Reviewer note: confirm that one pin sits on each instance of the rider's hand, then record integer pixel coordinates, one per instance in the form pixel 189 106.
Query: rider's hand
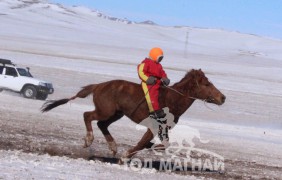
pixel 165 81
pixel 151 80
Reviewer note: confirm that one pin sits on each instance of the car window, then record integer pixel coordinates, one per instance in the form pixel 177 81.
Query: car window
pixel 11 71
pixel 1 69
pixel 23 72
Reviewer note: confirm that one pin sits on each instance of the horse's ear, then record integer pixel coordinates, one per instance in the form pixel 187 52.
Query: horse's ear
pixel 200 70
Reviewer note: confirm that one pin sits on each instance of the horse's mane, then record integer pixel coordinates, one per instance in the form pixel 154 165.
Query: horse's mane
pixel 190 80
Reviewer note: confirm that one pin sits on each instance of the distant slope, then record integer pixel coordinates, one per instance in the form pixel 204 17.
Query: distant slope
pixel 112 32
pixel 236 61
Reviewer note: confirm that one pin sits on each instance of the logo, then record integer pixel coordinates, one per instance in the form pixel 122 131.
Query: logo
pixel 179 144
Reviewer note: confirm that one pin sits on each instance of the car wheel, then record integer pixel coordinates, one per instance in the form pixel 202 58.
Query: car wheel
pixel 29 92
pixel 41 96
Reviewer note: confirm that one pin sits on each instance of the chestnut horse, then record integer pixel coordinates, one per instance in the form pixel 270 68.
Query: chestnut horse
pixel 116 98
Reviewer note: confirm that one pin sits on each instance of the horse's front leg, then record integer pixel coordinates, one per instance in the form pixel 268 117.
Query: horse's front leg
pixel 103 126
pixel 147 137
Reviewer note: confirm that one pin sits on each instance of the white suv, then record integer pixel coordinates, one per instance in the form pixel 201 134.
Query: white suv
pixel 20 80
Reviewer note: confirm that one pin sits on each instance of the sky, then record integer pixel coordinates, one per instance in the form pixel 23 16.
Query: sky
pixel 259 17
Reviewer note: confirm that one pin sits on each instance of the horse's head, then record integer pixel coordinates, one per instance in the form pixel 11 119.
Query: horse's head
pixel 200 87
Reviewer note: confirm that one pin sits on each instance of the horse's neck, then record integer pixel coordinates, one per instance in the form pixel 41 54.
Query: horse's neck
pixel 183 87
pixel 180 103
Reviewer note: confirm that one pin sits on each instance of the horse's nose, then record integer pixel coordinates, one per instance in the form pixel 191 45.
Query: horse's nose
pixel 223 98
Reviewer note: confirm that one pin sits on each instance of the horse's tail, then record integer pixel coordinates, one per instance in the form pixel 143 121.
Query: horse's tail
pixel 84 92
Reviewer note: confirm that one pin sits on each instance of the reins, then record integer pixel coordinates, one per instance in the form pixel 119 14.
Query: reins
pixel 176 91
pixel 180 92
pixel 190 97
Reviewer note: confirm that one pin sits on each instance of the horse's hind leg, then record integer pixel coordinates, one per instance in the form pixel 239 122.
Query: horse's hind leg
pixel 147 137
pixel 103 126
pixel 88 118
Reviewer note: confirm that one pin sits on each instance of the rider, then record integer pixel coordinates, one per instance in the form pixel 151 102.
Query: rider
pixel 151 73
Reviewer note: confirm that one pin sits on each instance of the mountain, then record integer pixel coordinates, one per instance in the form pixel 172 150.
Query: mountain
pixel 148 22
pixel 43 28
pixel 29 4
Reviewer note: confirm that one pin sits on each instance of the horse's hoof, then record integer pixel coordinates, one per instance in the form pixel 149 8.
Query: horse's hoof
pixel 120 162
pixel 114 153
pixel 86 145
pixel 88 141
pixel 123 160
pixel 159 147
pixel 125 154
pixel 113 147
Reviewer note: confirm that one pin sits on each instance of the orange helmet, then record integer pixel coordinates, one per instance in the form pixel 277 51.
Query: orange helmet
pixel 156 54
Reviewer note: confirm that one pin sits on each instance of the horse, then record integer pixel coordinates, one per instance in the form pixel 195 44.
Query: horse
pixel 117 98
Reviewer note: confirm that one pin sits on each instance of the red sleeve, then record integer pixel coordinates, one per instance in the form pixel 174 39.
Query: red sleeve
pixel 142 71
pixel 163 74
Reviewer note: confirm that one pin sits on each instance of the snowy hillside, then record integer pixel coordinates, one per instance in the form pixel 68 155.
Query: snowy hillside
pixel 75 46
pixel 235 62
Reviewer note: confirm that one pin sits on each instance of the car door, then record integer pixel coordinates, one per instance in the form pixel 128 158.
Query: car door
pixel 9 79
pixel 1 76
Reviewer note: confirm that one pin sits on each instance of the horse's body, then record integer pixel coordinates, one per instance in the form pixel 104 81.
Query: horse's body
pixel 114 99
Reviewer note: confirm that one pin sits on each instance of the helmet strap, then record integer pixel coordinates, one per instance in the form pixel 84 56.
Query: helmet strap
pixel 160 58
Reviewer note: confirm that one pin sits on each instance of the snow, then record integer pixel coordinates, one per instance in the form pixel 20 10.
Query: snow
pixel 19 165
pixel 73 46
